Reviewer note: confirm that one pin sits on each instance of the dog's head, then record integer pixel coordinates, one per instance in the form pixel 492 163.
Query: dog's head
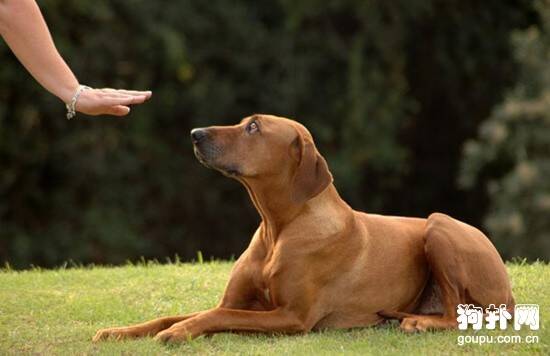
pixel 265 148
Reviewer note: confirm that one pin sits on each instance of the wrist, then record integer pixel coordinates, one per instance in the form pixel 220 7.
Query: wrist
pixel 67 92
pixel 71 105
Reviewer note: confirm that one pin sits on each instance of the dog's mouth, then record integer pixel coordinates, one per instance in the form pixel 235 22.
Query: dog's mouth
pixel 200 157
pixel 228 171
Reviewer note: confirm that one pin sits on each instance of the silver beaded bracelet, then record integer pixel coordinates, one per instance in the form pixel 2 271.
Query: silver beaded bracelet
pixel 71 112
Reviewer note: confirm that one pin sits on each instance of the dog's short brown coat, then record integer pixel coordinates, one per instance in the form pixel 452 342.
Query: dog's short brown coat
pixel 316 263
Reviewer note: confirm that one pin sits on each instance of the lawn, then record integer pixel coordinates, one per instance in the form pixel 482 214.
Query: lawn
pixel 58 311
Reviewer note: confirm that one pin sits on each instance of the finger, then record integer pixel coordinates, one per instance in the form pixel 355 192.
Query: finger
pixel 121 94
pixel 118 110
pixel 146 93
pixel 124 100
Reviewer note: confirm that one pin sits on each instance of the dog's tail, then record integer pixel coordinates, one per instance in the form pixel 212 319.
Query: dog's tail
pixel 393 314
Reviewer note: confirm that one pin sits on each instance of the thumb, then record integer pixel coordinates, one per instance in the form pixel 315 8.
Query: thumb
pixel 118 110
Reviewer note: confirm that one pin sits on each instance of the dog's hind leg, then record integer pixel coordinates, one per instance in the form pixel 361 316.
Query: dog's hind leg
pixel 467 269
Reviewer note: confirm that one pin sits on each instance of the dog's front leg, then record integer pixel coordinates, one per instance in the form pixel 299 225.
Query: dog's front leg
pixel 223 319
pixel 148 328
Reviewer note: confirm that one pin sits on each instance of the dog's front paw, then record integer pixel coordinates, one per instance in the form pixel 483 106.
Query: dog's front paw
pixel 173 335
pixel 112 333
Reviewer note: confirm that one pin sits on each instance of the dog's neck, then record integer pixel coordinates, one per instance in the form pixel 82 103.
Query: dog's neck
pixel 274 204
pixel 277 208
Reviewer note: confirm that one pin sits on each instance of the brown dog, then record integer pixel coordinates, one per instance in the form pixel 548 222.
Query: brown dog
pixel 316 263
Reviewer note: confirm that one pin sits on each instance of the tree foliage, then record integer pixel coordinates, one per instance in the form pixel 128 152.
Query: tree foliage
pixel 512 151
pixel 390 90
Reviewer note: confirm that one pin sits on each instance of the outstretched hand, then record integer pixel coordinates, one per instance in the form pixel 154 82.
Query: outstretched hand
pixel 109 101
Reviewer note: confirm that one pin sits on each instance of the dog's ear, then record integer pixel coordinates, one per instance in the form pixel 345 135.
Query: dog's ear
pixel 312 175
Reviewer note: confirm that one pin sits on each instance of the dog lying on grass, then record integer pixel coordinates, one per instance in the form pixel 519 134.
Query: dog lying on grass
pixel 316 263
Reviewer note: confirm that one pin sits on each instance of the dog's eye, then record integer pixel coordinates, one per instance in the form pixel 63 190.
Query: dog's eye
pixel 252 127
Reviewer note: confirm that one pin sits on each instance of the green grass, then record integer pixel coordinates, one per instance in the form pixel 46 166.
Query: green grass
pixel 58 311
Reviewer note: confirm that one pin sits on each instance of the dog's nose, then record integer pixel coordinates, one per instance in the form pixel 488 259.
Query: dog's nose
pixel 197 135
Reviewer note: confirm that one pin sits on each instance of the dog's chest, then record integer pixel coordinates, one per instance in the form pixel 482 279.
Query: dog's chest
pixel 267 295
pixel 263 292
pixel 264 281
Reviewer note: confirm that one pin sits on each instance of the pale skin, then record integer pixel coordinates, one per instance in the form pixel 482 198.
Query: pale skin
pixel 23 28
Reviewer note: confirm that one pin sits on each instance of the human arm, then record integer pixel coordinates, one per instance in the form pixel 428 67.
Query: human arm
pixel 23 28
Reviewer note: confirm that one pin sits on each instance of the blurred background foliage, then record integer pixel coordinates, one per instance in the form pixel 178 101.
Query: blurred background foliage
pixel 391 90
pixel 512 151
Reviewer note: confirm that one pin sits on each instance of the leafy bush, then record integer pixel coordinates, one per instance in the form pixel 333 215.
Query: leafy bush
pixel 389 89
pixel 513 151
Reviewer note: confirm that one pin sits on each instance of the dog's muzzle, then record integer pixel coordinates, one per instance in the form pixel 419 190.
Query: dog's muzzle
pixel 203 151
pixel 198 135
pixel 208 153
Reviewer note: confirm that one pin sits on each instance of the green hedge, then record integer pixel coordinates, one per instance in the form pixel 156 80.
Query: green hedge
pixel 390 89
pixel 513 150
